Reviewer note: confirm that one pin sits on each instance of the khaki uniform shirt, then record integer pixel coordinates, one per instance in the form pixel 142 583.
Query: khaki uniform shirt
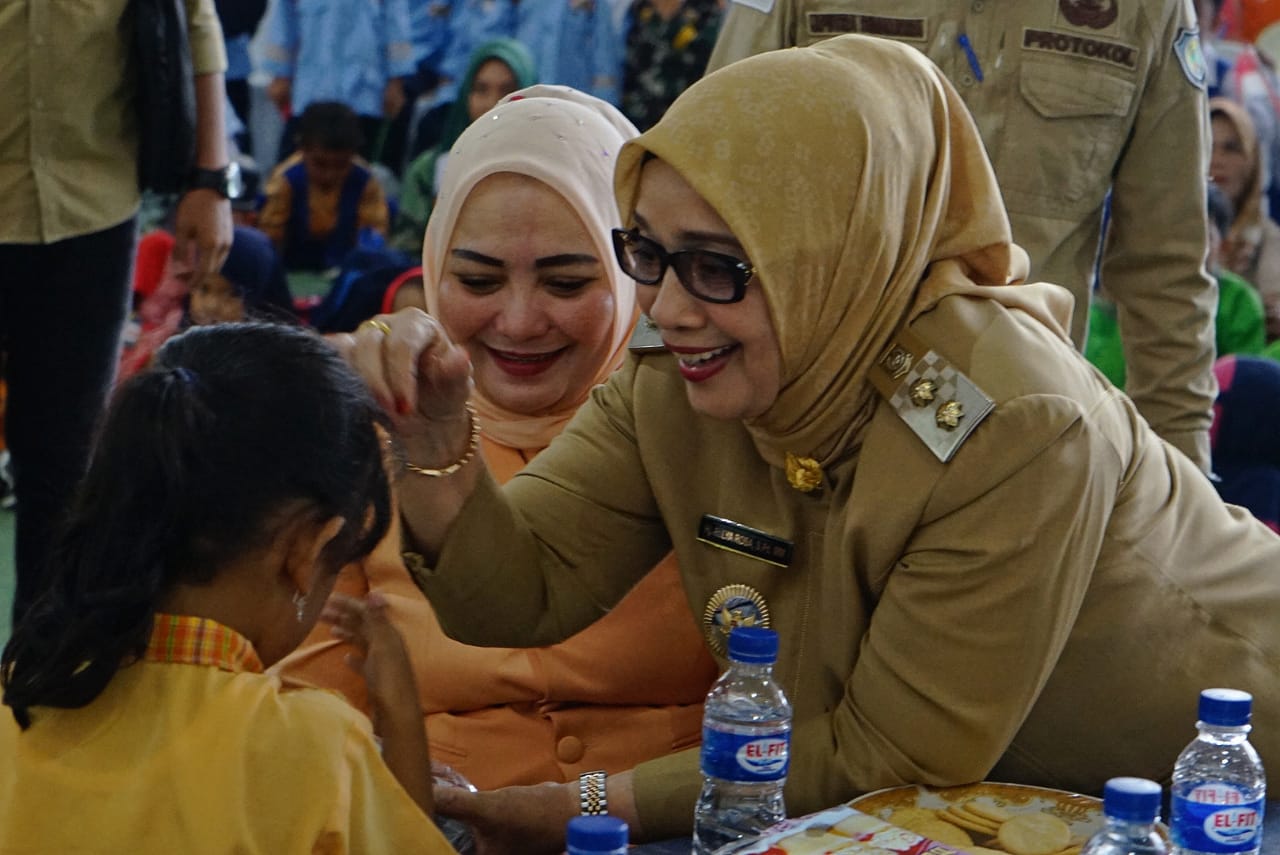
pixel 68 133
pixel 1072 103
pixel 1043 609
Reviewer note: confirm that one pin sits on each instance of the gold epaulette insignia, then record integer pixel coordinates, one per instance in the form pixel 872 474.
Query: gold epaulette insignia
pixel 645 338
pixel 940 404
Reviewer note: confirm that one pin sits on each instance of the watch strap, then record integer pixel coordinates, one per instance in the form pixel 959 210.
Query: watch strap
pixel 592 800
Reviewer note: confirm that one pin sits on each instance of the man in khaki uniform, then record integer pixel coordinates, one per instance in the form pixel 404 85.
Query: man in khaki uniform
pixel 68 199
pixel 1072 98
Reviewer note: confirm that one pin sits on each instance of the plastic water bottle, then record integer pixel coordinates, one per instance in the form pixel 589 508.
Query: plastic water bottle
pixel 596 835
pixel 746 743
pixel 1219 788
pixel 1132 808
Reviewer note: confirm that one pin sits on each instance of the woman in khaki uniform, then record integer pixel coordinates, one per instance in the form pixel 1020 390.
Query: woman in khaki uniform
pixel 981 562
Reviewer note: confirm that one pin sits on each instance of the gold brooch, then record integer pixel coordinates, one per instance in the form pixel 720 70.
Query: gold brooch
pixel 949 415
pixel 803 473
pixel 897 362
pixel 923 391
pixel 732 605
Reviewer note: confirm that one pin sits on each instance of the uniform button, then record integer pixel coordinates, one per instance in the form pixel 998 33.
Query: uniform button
pixel 978 5
pixel 39 103
pixel 966 79
pixel 569 749
pixel 38 39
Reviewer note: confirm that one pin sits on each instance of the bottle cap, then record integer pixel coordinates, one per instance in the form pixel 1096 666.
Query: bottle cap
pixel 1134 799
pixel 753 644
pixel 1225 707
pixel 596 834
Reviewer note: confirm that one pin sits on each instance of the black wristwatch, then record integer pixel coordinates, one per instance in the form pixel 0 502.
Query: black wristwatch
pixel 225 181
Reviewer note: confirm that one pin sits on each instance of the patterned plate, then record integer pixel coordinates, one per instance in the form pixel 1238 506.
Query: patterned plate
pixel 977 812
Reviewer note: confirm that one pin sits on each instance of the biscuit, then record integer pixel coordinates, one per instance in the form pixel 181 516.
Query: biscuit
pixel 968 821
pixel 1034 834
pixel 982 850
pixel 987 809
pixel 902 816
pixel 943 832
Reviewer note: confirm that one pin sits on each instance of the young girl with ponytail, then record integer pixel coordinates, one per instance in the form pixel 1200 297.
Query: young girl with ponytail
pixel 230 482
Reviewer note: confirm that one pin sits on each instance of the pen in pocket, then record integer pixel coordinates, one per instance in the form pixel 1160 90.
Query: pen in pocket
pixel 967 47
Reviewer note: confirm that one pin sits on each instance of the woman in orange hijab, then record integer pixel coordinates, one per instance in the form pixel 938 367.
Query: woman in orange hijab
pixel 517 263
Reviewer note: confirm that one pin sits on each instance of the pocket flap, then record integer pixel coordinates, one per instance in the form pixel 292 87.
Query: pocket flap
pixel 1060 93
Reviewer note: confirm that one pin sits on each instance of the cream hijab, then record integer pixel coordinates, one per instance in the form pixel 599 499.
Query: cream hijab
pixel 855 179
pixel 569 141
pixel 1246 228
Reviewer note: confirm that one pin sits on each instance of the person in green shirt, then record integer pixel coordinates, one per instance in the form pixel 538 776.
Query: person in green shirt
pixel 1240 323
pixel 497 68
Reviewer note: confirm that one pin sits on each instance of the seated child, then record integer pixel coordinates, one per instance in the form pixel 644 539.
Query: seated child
pixel 230 482
pixel 320 200
pixel 251 285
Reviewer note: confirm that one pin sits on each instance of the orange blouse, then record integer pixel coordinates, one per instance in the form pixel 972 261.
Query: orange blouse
pixel 624 690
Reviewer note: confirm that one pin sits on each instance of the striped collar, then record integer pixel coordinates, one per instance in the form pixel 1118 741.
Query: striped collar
pixel 187 640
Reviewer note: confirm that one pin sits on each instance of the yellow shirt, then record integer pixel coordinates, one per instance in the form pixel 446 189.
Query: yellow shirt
pixel 322 205
pixel 68 134
pixel 194 749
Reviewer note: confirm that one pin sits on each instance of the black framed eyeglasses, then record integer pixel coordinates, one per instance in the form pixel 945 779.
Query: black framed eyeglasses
pixel 711 276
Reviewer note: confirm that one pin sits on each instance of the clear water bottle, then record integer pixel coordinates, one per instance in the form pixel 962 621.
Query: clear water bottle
pixel 1132 808
pixel 1219 788
pixel 746 743
pixel 596 835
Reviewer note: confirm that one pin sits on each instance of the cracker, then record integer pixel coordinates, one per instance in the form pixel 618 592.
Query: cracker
pixel 1034 834
pixel 988 809
pixel 944 832
pixel 968 821
pixel 982 850
pixel 904 815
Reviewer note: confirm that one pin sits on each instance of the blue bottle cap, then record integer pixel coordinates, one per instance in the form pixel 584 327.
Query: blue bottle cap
pixel 753 644
pixel 1132 799
pixel 596 834
pixel 1225 707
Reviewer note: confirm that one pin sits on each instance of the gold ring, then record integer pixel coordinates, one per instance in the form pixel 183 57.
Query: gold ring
pixel 374 323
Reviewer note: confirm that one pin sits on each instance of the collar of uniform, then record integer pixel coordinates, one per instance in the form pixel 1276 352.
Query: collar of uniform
pixel 188 640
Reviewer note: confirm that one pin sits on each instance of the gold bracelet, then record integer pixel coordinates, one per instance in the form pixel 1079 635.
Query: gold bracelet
pixel 472 446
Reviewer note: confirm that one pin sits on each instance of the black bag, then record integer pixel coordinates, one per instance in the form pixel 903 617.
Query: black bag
pixel 166 95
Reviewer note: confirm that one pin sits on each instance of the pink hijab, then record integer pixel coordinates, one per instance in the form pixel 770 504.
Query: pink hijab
pixel 569 141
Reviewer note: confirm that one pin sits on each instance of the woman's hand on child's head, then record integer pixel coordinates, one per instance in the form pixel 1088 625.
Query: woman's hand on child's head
pixel 382 658
pixel 412 367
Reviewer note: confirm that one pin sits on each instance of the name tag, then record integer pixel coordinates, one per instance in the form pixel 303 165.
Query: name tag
pixel 1113 53
pixel 745 540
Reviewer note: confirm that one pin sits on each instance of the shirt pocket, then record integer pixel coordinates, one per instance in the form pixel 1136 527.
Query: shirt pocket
pixel 1066 127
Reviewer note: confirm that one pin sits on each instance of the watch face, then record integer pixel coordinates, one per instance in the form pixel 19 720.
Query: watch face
pixel 234 181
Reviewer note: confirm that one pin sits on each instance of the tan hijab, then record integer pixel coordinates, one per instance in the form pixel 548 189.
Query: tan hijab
pixel 1246 229
pixel 856 181
pixel 569 141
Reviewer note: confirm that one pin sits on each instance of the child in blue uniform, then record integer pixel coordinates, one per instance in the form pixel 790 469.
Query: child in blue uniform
pixel 320 200
pixel 357 52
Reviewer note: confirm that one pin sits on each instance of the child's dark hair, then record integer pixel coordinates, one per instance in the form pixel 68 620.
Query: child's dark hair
pixel 234 429
pixel 1221 212
pixel 329 125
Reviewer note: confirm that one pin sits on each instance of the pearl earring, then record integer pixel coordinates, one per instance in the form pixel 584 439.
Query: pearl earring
pixel 300 600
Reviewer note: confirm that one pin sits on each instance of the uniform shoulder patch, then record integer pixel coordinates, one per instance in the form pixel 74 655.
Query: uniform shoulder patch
pixel 1190 54
pixel 940 404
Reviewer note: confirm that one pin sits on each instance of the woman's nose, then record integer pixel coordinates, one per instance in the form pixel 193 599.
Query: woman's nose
pixel 523 318
pixel 674 307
